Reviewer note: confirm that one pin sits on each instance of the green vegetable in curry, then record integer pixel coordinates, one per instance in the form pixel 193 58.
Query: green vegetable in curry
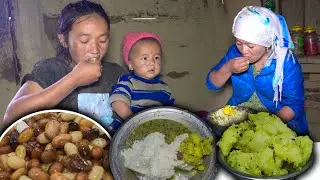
pixel 169 128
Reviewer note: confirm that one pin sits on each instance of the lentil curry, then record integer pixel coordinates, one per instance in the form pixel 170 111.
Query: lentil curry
pixel 169 128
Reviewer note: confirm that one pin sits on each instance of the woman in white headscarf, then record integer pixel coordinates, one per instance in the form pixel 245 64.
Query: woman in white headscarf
pixel 265 75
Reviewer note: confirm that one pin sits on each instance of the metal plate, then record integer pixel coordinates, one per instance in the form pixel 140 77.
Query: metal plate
pixel 189 120
pixel 240 175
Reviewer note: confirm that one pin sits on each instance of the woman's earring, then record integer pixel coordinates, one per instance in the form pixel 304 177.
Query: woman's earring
pixel 267 49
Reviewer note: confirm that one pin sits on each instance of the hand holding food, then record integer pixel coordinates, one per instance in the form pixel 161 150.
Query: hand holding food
pixel 239 64
pixel 86 73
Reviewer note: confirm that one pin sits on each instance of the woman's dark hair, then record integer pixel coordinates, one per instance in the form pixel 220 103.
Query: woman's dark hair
pixel 70 14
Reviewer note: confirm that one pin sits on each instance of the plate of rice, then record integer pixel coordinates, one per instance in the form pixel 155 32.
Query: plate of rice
pixel 163 143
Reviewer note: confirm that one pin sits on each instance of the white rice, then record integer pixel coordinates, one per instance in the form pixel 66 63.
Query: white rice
pixel 153 158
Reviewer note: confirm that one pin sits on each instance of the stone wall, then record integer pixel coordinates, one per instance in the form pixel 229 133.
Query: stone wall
pixel 8 64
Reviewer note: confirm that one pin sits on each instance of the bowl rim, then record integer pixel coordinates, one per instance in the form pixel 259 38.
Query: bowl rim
pixel 237 173
pixel 154 109
pixel 8 128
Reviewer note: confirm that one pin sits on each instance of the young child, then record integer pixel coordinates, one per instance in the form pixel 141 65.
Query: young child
pixel 142 88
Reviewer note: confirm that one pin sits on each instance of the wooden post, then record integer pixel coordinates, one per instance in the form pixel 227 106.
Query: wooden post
pixel 293 11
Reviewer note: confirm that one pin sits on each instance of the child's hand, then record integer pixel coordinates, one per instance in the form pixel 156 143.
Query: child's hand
pixel 239 64
pixel 122 109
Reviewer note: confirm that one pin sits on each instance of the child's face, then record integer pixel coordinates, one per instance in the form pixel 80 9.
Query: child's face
pixel 145 59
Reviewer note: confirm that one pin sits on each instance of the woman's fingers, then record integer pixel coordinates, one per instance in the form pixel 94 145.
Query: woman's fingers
pixel 240 64
pixel 243 66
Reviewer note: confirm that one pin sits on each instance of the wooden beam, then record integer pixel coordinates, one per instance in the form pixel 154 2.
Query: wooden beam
pixel 311 68
pixel 309 60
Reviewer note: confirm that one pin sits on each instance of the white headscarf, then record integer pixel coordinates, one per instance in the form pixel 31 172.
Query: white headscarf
pixel 259 25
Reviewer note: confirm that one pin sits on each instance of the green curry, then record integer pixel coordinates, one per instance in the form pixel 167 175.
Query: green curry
pixel 169 128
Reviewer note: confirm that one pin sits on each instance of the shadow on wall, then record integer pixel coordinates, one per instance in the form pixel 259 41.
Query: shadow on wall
pixel 50 29
pixel 9 66
pixel 177 75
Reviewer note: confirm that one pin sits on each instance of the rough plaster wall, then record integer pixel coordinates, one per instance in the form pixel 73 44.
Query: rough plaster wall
pixel 196 35
pixel 33 44
pixel 7 70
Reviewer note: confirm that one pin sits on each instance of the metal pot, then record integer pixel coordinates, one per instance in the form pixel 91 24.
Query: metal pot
pixel 189 120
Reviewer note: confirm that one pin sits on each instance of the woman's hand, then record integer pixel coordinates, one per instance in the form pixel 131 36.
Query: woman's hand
pixel 85 73
pixel 286 113
pixel 238 65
